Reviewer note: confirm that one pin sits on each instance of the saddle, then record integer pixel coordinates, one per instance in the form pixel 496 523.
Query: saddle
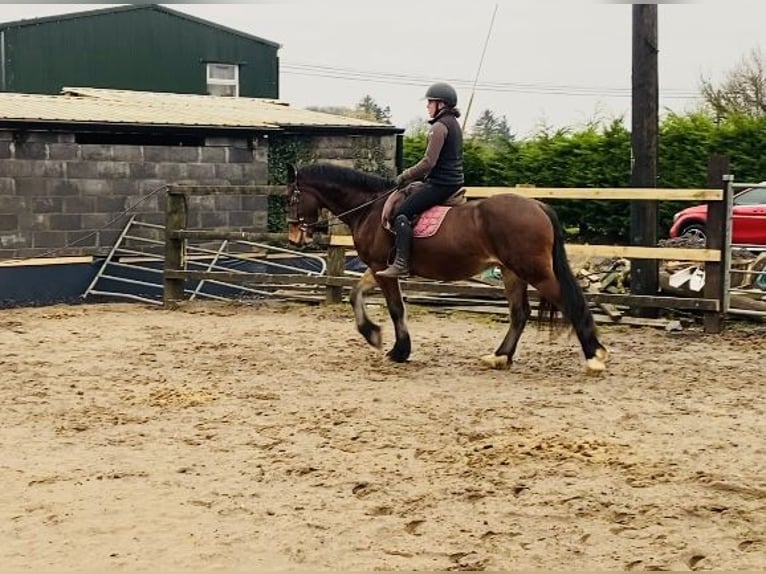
pixel 427 223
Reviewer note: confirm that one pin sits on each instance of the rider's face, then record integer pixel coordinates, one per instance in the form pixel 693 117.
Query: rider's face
pixel 433 107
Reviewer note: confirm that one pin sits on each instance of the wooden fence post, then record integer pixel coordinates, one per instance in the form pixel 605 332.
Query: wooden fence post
pixel 176 216
pixel 644 273
pixel 336 267
pixel 718 237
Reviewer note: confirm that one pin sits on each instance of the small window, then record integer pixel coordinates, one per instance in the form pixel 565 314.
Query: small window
pixel 223 80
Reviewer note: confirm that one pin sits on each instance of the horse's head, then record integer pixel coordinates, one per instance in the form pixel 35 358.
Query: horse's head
pixel 347 193
pixel 302 210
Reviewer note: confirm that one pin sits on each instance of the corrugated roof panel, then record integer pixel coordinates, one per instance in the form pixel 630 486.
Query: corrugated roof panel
pixel 94 105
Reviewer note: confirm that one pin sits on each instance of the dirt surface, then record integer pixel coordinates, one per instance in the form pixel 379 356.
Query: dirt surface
pixel 224 437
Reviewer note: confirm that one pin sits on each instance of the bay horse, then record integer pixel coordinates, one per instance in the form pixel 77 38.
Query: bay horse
pixel 520 235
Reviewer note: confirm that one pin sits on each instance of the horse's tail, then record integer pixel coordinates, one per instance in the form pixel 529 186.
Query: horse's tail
pixel 575 306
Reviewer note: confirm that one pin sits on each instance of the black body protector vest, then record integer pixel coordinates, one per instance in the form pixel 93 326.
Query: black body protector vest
pixel 449 166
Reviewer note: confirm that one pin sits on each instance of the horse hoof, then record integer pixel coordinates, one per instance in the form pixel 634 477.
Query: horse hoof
pixel 496 361
pixel 397 356
pixel 371 333
pixel 602 354
pixel 595 365
pixel 375 339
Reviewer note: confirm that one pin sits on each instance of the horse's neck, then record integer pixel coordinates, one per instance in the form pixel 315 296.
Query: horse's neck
pixel 349 206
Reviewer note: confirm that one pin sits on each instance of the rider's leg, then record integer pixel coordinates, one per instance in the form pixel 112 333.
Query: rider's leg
pixel 401 265
pixel 415 204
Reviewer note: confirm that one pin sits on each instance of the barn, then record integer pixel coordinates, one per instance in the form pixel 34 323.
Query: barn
pixel 136 47
pixel 73 165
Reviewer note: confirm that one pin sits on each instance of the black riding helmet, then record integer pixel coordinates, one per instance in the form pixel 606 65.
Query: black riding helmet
pixel 443 92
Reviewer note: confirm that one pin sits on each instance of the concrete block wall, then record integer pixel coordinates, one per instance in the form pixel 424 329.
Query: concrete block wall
pixel 366 152
pixel 60 198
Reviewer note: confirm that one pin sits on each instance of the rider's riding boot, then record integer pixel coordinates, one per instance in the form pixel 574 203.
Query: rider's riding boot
pixel 401 264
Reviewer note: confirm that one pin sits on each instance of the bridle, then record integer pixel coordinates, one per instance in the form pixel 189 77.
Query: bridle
pixel 294 215
pixel 293 210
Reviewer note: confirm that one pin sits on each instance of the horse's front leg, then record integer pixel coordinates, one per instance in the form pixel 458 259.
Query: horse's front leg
pixel 393 294
pixel 369 330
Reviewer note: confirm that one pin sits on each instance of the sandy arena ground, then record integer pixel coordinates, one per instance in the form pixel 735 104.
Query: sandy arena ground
pixel 224 437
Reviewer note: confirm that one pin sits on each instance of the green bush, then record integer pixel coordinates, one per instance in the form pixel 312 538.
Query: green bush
pixel 283 151
pixel 600 156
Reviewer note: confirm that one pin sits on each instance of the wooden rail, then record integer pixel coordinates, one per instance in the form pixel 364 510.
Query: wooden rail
pixel 184 189
pixel 606 193
pixel 626 251
pixel 713 302
pixel 338 282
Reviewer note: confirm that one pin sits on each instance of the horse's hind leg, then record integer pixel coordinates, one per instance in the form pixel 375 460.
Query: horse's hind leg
pixel 369 330
pixel 518 303
pixel 580 317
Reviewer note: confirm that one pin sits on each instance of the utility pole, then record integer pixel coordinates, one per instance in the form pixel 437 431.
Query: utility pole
pixel 644 274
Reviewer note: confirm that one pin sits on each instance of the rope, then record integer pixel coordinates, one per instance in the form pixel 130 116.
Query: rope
pixel 102 228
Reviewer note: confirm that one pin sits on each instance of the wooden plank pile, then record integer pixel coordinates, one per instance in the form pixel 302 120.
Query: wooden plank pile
pixel 603 275
pixel 612 275
pixel 747 294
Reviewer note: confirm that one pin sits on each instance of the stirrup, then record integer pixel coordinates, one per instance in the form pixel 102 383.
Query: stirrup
pixel 395 270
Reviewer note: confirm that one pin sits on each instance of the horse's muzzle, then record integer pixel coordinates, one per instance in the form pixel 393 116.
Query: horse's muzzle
pixel 299 235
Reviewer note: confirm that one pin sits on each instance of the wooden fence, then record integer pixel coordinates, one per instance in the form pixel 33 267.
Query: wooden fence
pixel 713 302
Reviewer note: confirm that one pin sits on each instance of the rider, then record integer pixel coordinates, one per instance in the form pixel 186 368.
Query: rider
pixel 441 170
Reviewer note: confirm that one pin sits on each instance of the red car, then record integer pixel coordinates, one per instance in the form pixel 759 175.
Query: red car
pixel 748 218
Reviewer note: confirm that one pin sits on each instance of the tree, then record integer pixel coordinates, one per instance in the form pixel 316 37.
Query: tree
pixel 489 128
pixel 373 111
pixel 366 109
pixel 743 90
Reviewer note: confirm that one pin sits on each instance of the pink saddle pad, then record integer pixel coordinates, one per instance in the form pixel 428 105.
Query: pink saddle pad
pixel 429 221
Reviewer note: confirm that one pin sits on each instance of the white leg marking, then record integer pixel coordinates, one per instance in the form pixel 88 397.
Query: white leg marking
pixel 496 361
pixel 595 366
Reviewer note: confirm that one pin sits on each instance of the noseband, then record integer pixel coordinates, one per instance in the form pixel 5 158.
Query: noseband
pixel 294 212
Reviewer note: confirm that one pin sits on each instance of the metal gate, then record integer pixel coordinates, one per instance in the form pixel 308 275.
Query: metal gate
pixel 134 267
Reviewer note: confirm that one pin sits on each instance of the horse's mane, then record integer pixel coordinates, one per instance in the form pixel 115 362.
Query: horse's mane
pixel 345 176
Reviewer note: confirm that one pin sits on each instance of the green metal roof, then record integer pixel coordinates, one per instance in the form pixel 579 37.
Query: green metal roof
pixel 132 7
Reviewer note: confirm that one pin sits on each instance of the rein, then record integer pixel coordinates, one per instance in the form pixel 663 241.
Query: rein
pixel 295 198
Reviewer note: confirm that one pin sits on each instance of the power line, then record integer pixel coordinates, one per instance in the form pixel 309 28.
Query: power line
pixel 539 88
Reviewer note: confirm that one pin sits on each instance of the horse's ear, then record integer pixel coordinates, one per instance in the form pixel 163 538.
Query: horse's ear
pixel 290 173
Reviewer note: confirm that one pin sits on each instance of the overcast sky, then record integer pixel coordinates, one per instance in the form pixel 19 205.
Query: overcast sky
pixel 561 63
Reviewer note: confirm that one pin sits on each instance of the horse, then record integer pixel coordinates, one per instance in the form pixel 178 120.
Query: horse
pixel 521 236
